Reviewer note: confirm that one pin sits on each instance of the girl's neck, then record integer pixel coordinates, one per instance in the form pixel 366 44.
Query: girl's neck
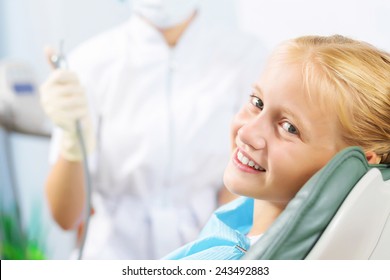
pixel 265 213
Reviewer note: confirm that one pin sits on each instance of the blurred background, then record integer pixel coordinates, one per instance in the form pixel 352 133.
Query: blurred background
pixel 26 26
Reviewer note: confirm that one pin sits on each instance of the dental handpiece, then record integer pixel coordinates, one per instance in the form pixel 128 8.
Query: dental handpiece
pixel 59 62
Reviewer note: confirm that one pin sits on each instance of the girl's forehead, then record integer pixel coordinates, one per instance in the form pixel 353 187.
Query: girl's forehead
pixel 280 72
pixel 298 81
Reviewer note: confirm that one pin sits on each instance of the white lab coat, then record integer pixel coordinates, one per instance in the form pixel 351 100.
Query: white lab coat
pixel 163 117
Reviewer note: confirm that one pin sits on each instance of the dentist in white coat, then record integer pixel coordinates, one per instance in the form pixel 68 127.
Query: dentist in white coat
pixel 155 97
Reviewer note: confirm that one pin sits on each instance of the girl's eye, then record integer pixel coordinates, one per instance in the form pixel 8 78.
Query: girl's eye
pixel 289 128
pixel 257 102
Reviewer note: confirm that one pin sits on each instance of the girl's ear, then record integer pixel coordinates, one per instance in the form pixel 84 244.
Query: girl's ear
pixel 372 157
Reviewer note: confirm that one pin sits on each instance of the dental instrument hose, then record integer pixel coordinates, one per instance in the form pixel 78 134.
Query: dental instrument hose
pixel 59 61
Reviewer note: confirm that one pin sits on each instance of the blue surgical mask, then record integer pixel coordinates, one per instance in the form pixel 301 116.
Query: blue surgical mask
pixel 165 13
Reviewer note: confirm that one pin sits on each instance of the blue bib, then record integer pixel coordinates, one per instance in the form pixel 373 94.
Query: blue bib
pixel 223 237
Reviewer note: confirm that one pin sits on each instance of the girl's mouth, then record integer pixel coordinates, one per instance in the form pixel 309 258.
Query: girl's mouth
pixel 247 162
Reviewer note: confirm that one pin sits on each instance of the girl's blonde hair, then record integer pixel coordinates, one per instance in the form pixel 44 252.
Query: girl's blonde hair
pixel 353 78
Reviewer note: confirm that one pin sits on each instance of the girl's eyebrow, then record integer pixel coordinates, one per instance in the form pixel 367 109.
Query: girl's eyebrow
pixel 294 117
pixel 257 88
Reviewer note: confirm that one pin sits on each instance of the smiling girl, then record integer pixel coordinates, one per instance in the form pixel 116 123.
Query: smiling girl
pixel 316 96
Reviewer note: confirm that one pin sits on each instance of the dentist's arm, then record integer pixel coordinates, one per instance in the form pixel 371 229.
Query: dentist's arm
pixel 63 99
pixel 65 192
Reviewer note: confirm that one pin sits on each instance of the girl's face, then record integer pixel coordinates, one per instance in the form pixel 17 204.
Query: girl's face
pixel 280 138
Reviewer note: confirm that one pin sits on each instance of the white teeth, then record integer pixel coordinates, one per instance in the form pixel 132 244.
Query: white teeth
pixel 239 155
pixel 244 160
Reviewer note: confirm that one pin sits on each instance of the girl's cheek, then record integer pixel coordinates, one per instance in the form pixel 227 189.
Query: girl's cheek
pixel 237 122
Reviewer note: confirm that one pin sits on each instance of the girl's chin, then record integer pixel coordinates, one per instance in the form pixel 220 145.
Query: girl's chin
pixel 233 185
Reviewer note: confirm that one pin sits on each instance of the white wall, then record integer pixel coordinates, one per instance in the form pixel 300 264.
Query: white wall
pixel 277 20
pixel 26 26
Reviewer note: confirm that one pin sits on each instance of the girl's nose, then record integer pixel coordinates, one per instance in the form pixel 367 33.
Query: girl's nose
pixel 253 132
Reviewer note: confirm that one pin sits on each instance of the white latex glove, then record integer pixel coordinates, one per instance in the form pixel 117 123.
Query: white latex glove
pixel 63 100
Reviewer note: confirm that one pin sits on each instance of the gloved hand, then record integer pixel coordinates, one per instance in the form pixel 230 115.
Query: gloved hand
pixel 63 100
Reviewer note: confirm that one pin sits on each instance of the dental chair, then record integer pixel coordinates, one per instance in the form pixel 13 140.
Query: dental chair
pixel 342 212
